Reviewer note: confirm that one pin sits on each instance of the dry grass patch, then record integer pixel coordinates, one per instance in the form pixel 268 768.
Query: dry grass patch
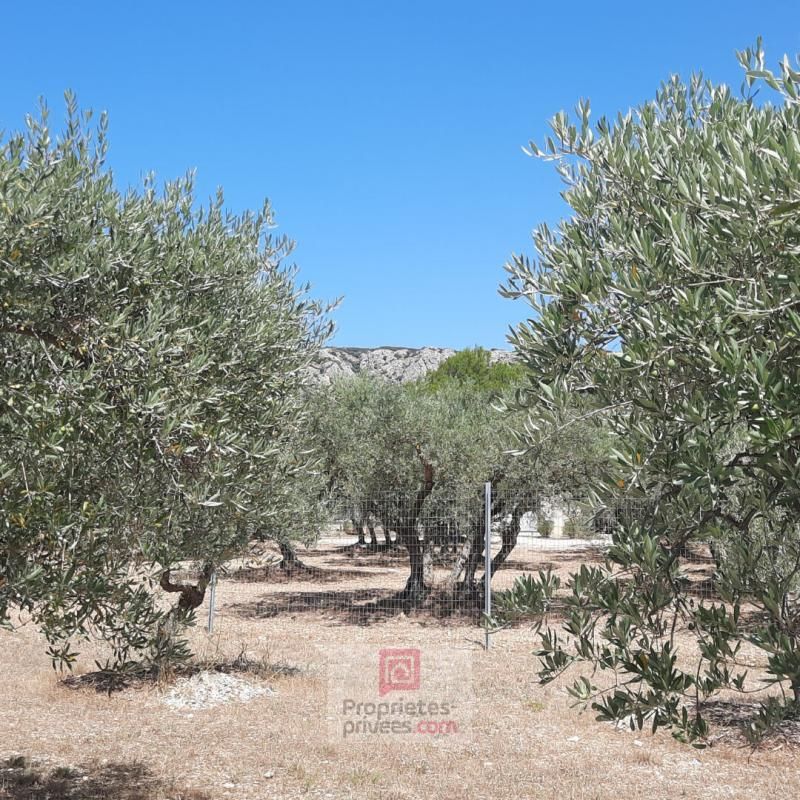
pixel 525 740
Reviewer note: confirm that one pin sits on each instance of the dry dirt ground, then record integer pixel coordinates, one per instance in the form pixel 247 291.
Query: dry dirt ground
pixel 525 741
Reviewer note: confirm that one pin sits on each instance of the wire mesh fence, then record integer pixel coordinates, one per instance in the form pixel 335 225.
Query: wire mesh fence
pixel 425 552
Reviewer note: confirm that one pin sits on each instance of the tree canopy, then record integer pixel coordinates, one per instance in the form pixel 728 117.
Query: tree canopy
pixel 473 368
pixel 151 352
pixel 414 461
pixel 670 297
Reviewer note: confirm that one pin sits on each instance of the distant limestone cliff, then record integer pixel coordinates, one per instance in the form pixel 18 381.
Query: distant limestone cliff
pixel 397 364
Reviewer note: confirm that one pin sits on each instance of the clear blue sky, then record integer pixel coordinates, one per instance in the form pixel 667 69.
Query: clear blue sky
pixel 387 134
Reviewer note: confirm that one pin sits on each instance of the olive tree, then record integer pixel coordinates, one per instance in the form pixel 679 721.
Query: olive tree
pixel 413 459
pixel 670 298
pixel 473 368
pixel 151 353
pixel 393 454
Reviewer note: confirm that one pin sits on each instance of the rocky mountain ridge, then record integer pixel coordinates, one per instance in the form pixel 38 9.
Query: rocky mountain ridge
pixel 396 364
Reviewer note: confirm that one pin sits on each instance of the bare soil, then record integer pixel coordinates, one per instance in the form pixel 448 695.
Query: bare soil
pixel 73 740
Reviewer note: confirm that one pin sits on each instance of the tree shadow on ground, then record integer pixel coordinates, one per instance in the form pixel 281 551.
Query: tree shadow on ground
pixel 106 681
pixel 702 586
pixel 730 721
pixel 304 573
pixel 370 549
pixel 23 779
pixel 361 606
pixel 546 558
pixel 391 558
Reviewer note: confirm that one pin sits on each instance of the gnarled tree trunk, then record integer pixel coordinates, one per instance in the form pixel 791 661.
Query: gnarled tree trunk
pixel 509 536
pixel 373 539
pixel 359 526
pixel 420 578
pixel 191 594
pixel 289 560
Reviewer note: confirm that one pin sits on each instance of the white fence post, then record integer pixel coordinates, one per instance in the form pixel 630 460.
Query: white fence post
pixel 487 570
pixel 212 598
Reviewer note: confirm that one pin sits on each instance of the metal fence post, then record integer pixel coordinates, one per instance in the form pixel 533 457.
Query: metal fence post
pixel 212 598
pixel 487 570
